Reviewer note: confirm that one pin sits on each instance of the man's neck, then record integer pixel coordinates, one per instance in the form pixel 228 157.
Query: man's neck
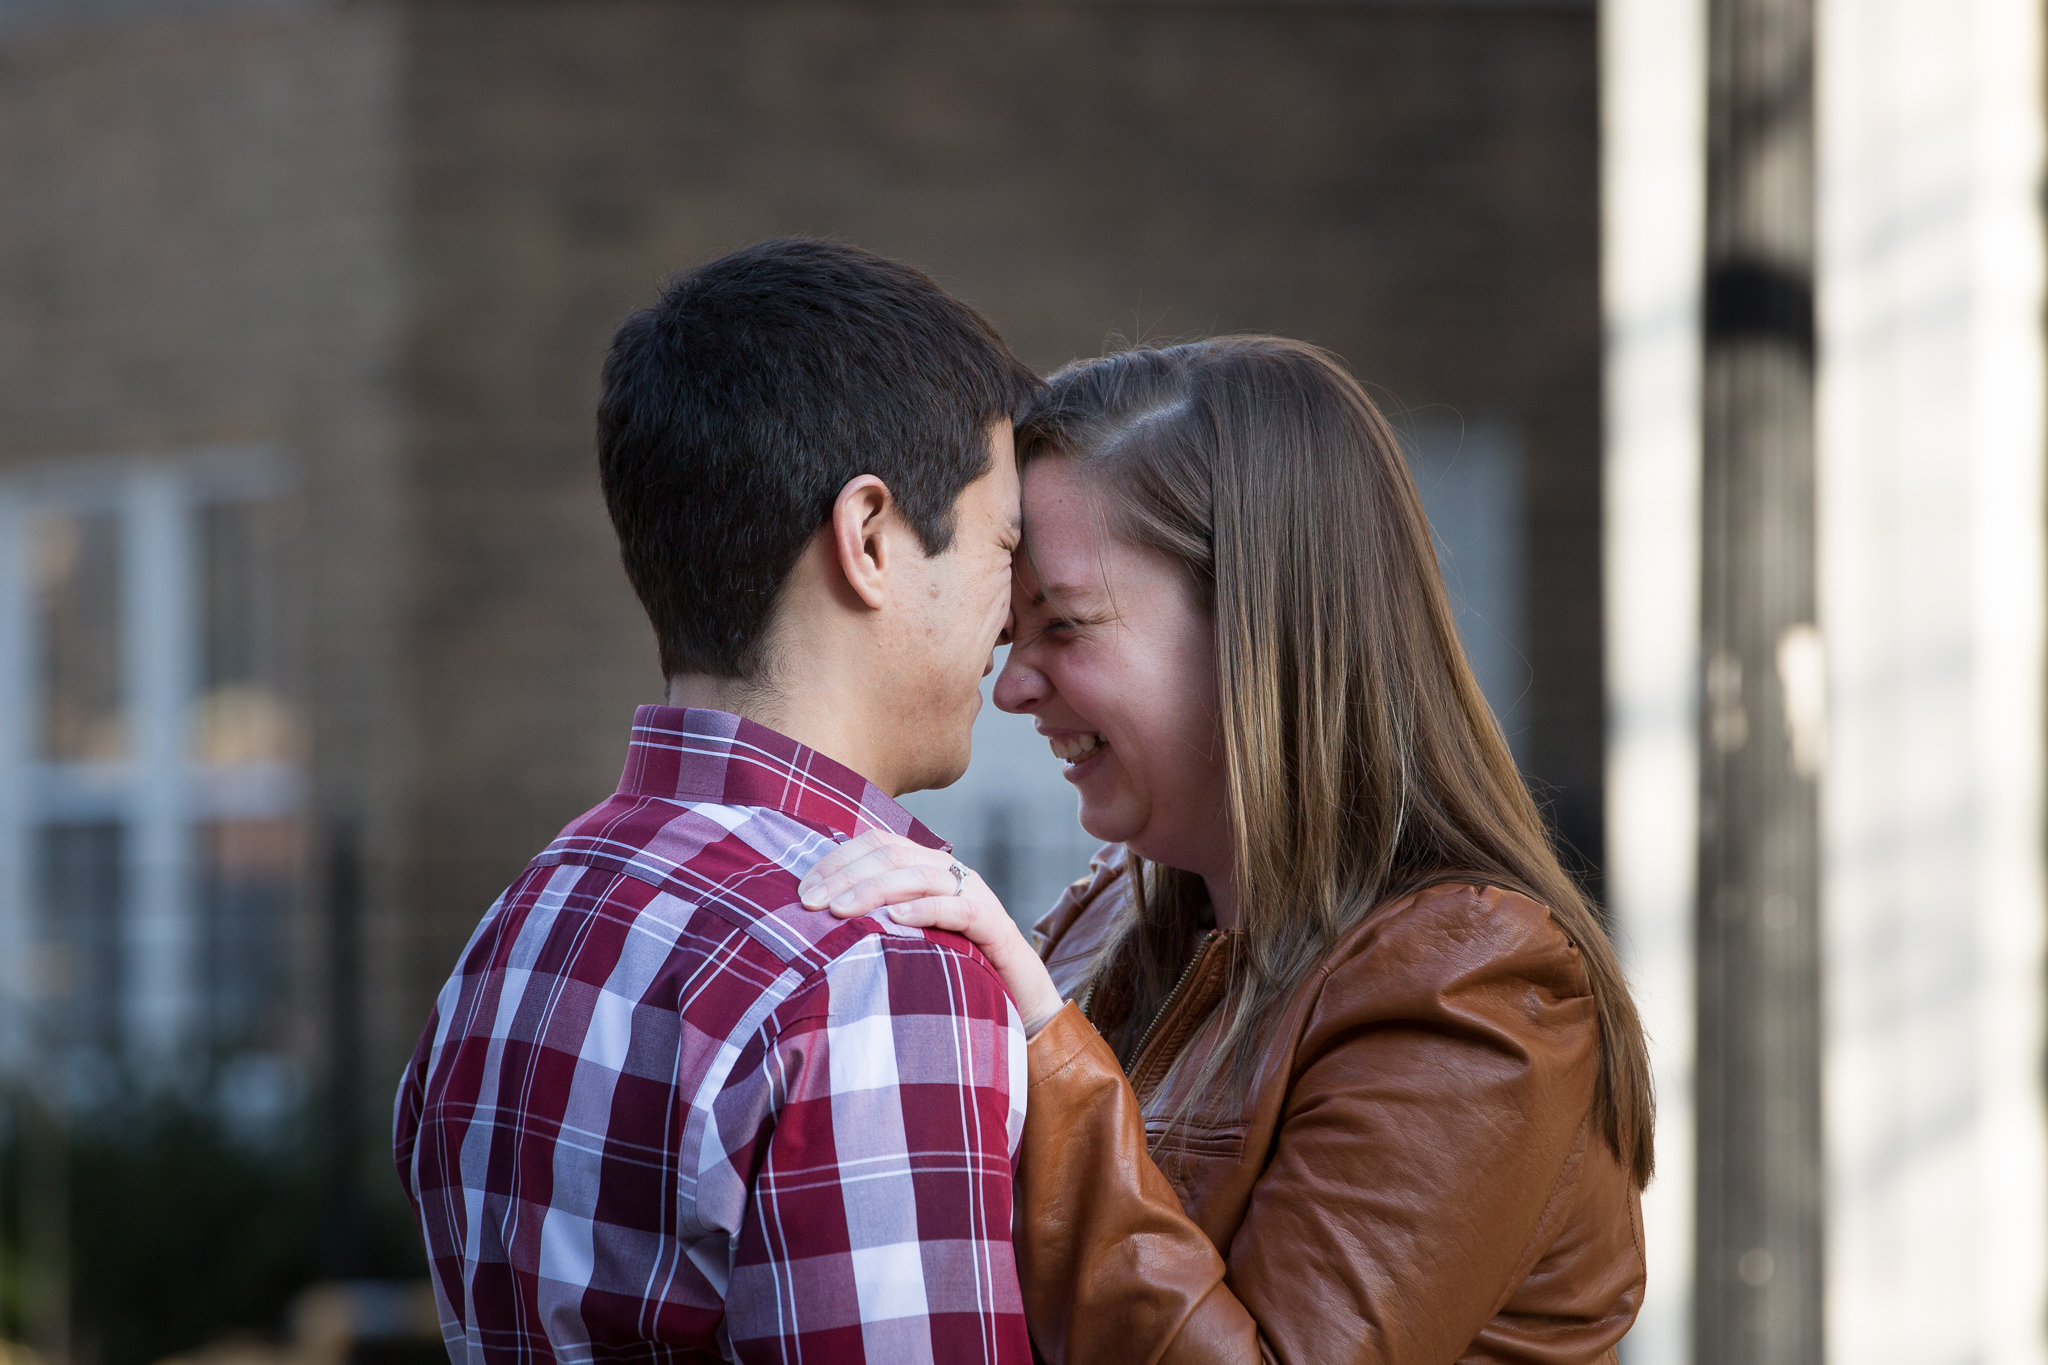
pixel 817 718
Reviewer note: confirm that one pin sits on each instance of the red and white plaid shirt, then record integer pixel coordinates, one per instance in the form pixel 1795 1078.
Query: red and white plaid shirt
pixel 663 1113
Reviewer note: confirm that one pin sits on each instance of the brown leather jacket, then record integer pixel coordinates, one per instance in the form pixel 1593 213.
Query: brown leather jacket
pixel 1416 1177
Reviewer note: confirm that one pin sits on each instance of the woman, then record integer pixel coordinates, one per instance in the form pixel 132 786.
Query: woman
pixel 1329 1058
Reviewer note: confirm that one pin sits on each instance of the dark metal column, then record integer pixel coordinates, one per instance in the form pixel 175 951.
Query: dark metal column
pixel 1758 1299
pixel 341 1233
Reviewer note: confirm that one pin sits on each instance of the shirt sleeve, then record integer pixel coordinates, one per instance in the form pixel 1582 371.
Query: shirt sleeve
pixel 877 1225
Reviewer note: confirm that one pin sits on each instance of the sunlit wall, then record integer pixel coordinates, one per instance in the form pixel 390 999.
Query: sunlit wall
pixel 1931 447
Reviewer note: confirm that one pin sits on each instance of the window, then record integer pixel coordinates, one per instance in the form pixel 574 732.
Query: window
pixel 1470 478
pixel 151 759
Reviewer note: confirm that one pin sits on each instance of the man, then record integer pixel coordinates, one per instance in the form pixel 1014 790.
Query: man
pixel 661 1112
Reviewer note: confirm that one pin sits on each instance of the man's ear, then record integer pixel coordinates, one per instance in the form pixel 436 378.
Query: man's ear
pixel 863 530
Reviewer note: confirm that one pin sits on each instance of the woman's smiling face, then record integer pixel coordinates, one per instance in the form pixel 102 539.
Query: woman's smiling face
pixel 1114 657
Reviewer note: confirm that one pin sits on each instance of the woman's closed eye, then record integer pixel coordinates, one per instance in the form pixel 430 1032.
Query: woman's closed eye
pixel 1061 628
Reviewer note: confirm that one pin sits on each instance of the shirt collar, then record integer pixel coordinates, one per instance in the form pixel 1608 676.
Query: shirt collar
pixel 689 754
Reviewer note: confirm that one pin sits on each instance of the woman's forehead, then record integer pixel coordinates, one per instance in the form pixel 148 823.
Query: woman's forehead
pixel 1055 484
pixel 1047 574
pixel 1071 555
pixel 1064 528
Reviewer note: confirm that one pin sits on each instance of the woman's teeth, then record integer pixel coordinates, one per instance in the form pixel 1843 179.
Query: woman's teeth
pixel 1071 749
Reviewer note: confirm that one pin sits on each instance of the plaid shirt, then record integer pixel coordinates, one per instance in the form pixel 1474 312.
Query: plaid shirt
pixel 663 1113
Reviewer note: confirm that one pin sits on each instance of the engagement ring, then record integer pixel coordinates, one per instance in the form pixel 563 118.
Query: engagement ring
pixel 959 879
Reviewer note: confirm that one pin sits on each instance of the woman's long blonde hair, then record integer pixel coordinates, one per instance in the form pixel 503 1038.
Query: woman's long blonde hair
pixel 1363 761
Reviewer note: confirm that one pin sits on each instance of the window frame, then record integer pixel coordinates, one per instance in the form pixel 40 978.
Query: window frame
pixel 159 793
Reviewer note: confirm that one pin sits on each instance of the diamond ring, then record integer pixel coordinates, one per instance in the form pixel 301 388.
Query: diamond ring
pixel 959 879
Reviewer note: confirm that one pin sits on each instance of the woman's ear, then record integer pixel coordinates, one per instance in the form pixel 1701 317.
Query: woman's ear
pixel 863 542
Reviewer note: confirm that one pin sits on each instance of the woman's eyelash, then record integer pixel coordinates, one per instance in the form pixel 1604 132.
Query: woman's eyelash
pixel 1057 625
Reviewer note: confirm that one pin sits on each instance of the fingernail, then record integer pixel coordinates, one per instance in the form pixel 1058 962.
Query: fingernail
pixel 810 897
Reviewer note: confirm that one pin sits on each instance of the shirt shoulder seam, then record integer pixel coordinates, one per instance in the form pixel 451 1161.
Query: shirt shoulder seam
pixel 889 943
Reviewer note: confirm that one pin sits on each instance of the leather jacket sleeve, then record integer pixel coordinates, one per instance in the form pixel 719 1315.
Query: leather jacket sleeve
pixel 1433 1113
pixel 1112 1269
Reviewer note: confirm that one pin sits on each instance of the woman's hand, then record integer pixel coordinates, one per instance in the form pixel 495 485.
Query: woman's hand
pixel 880 870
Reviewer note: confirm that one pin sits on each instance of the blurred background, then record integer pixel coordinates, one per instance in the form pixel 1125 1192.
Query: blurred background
pixel 1713 327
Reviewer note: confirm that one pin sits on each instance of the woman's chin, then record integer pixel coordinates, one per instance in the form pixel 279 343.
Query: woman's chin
pixel 1102 820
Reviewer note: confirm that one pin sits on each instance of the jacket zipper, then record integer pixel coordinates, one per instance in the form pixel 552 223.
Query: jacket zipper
pixel 1201 950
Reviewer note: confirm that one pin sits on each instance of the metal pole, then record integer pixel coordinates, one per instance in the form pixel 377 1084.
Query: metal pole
pixel 46 1224
pixel 1759 1275
pixel 341 1249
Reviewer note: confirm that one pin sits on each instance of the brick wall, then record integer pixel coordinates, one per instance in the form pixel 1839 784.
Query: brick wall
pixel 1413 189
pixel 392 240
pixel 198 249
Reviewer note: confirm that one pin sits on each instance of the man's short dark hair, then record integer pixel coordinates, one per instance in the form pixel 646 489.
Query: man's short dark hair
pixel 740 402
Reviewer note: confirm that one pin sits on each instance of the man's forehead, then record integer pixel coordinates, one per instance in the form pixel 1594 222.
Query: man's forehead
pixel 997 499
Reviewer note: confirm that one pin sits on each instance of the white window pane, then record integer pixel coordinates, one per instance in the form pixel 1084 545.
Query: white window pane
pixel 79 894
pixel 248 871
pixel 1470 478
pixel 244 712
pixel 78 629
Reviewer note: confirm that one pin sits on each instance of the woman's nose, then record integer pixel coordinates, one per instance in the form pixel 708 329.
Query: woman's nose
pixel 1020 688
